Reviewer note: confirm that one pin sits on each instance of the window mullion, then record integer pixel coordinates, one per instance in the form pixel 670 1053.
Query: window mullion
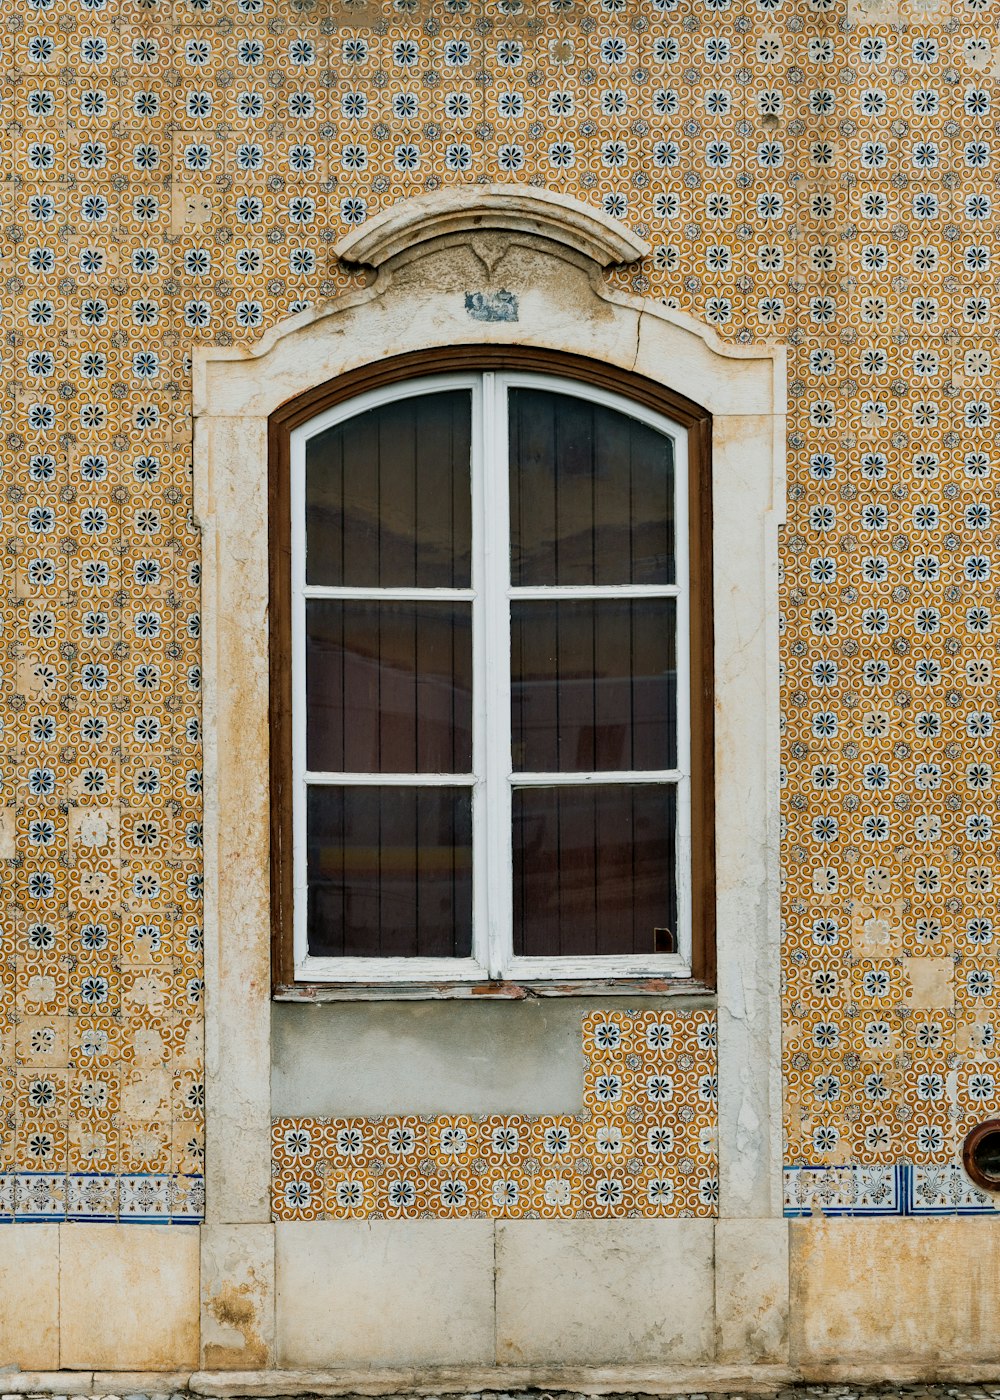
pixel 496 639
pixel 480 834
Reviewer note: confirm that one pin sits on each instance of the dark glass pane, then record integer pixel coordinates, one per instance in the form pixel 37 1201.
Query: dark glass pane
pixel 390 872
pixel 594 871
pixel 389 687
pixel 591 494
pixel 388 500
pixel 593 685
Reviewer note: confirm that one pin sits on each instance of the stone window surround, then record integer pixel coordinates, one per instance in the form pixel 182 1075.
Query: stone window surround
pixel 549 252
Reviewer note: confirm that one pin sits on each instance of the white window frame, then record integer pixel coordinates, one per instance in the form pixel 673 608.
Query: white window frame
pixel 492 780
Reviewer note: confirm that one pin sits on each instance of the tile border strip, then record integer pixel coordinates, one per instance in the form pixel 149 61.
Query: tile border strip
pixel 898 1188
pixel 133 1198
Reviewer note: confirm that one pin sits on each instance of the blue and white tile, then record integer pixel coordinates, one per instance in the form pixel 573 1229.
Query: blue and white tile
pixel 92 1196
pixel 40 1196
pixel 946 1190
pixel 145 1199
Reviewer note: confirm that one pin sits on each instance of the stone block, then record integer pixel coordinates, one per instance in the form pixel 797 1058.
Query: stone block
pixel 751 1291
pixel 605 1292
pixel 237 1297
pixel 29 1297
pixel 384 1292
pixel 890 1292
pixel 128 1297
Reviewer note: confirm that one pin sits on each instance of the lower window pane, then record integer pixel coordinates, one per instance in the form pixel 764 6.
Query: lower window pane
pixel 594 871
pixel 390 872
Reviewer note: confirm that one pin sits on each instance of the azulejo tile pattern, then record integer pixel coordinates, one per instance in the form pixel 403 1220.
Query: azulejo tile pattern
pixel 645 1143
pixel 175 172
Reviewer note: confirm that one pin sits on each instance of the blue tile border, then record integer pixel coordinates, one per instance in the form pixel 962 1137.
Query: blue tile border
pixel 898 1188
pixel 101 1198
pixel 845 1190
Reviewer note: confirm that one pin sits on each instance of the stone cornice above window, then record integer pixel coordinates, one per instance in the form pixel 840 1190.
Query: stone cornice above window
pixel 491 209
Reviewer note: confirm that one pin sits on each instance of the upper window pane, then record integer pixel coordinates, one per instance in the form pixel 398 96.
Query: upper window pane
pixel 388 496
pixel 591 495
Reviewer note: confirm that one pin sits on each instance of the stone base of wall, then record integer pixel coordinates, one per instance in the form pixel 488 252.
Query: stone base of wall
pixel 436 1307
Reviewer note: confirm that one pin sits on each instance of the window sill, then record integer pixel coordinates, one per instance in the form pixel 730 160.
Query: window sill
pixel 672 987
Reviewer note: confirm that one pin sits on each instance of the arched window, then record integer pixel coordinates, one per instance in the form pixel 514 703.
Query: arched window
pixel 493 678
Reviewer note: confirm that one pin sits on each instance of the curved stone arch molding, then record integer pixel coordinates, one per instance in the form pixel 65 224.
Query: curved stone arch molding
pixel 516 209
pixel 769 361
pixel 441 277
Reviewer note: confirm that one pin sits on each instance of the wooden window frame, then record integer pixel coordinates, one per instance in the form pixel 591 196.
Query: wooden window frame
pixel 642 391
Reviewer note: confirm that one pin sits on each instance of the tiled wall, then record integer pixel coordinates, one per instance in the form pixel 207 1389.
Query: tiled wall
pixel 645 1143
pixel 175 172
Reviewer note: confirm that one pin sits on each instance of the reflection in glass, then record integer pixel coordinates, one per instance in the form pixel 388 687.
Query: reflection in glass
pixel 389 687
pixel 591 494
pixel 390 872
pixel 594 870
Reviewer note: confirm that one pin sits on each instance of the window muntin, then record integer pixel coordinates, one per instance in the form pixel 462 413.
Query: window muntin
pixel 536 528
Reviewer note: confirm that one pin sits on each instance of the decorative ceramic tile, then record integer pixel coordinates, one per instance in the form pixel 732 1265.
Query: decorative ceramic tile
pixel 645 1143
pixel 902 1189
pixel 39 1196
pixel 946 1190
pixel 92 1197
pixel 175 172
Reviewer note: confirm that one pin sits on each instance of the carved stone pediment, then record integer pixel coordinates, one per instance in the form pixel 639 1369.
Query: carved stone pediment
pixel 501 264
